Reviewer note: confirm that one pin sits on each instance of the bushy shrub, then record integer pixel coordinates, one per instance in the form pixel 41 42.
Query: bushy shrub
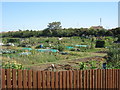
pixel 113 60
pixel 73 49
pixel 100 44
pixel 61 48
pixel 90 65
pixel 47 41
pixel 83 65
pixel 12 65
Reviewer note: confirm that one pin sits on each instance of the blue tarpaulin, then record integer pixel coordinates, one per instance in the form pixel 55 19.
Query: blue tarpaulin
pixel 81 45
pixel 69 47
pixel 42 50
pixel 27 48
pixel 47 50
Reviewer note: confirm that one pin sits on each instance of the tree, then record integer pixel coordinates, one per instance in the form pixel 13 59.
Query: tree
pixel 109 33
pixel 116 31
pixel 54 26
pixel 101 32
pixel 47 32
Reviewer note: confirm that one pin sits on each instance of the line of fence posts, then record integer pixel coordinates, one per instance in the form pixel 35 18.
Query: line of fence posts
pixel 97 78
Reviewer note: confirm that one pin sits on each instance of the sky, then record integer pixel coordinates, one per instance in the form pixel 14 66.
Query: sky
pixel 37 15
pixel 119 14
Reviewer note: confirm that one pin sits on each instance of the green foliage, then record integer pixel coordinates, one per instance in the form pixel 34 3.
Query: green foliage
pixel 113 60
pixel 83 66
pixel 61 47
pixel 109 38
pixel 83 49
pixel 72 49
pixel 101 32
pixel 93 64
pixel 90 65
pixel 118 38
pixel 13 40
pixel 76 37
pixel 92 45
pixel 54 29
pixel 47 41
pixel 7 51
pixel 100 44
pixel 36 57
pixel 22 45
pixel 109 33
pixel 12 65
pixel 54 25
pixel 116 31
pixel 38 46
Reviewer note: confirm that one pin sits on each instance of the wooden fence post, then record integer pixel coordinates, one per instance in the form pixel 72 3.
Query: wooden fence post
pixel 3 79
pixel 14 78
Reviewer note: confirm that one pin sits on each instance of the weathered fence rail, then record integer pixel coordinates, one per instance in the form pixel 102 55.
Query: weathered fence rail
pixel 100 78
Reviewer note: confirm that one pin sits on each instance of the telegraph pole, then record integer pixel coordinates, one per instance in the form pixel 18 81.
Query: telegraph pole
pixel 100 21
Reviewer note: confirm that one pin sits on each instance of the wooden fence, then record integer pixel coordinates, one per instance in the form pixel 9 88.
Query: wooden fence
pixel 82 79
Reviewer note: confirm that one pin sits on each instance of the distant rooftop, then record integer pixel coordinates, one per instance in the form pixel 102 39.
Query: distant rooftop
pixel 97 27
